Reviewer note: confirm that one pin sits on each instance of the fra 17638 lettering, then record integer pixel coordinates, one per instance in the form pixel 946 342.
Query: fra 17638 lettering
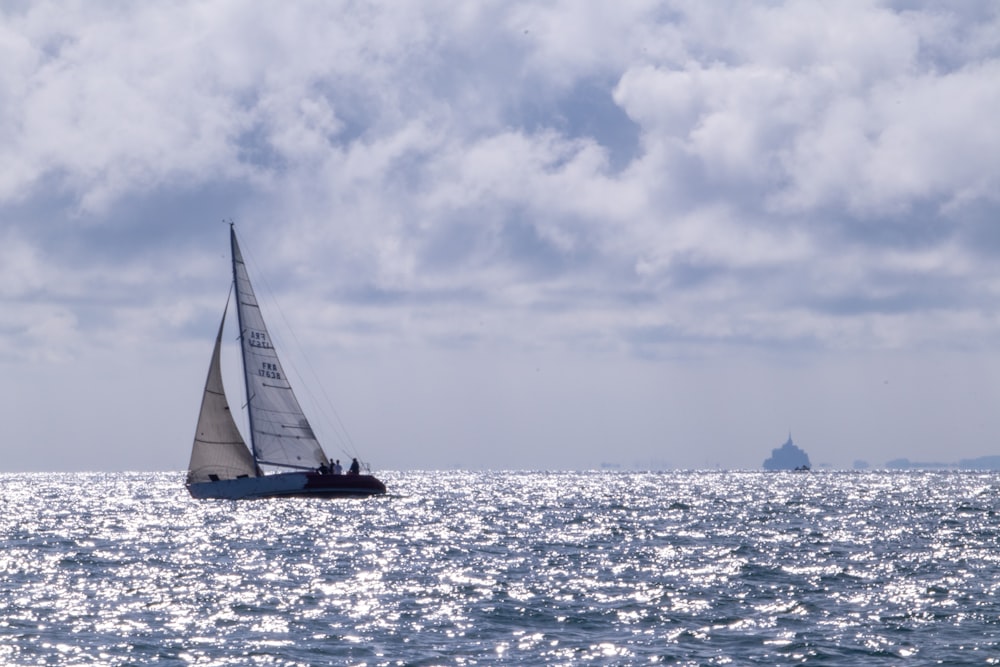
pixel 269 370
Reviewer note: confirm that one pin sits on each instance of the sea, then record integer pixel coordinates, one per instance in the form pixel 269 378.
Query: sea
pixel 506 568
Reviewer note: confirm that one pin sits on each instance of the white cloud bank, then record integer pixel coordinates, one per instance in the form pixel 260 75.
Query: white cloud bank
pixel 664 197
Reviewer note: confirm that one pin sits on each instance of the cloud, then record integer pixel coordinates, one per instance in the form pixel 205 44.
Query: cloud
pixel 762 134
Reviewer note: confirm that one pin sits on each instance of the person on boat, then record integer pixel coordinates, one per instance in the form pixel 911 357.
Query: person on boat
pixel 337 468
pixel 323 469
pixel 355 467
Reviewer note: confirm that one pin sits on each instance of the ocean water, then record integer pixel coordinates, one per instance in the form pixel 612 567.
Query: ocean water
pixel 457 568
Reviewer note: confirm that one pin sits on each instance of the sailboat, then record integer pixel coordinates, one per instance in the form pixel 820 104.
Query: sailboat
pixel 284 457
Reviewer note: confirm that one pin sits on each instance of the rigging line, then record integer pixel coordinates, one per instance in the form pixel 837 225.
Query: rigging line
pixel 343 435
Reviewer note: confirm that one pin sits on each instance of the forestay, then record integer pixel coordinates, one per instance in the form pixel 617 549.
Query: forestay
pixel 280 433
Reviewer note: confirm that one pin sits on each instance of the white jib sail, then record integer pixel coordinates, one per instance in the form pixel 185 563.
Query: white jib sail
pixel 219 451
pixel 280 433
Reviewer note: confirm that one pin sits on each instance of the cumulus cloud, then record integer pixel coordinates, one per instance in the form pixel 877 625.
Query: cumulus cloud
pixel 417 142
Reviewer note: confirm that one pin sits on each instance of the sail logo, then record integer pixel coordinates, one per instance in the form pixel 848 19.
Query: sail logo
pixel 258 339
pixel 269 370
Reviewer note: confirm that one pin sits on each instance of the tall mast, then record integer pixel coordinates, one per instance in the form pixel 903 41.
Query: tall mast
pixel 235 252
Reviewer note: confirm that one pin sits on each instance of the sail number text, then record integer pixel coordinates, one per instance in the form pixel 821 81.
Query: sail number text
pixel 258 339
pixel 269 370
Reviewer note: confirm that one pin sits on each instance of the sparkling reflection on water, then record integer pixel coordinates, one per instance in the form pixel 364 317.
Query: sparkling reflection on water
pixel 505 568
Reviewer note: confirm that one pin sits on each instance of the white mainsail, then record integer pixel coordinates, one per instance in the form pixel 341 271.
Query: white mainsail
pixel 219 451
pixel 279 431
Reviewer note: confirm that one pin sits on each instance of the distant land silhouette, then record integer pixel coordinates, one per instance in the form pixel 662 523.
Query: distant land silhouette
pixel 787 457
pixel 981 463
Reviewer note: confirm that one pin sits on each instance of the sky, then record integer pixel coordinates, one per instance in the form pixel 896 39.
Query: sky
pixel 507 234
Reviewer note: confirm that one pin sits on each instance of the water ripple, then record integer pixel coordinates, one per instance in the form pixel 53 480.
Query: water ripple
pixel 505 568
